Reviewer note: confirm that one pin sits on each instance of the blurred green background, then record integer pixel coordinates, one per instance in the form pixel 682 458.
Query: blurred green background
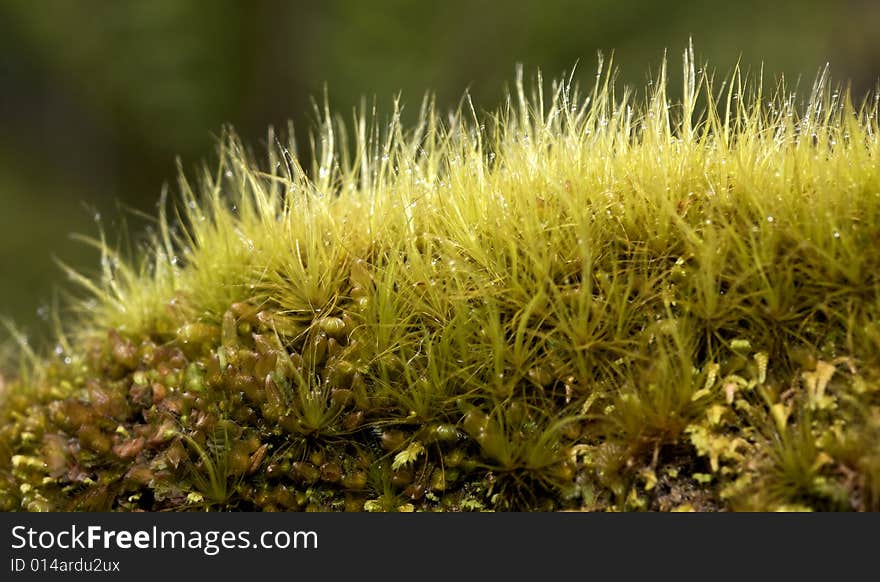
pixel 97 99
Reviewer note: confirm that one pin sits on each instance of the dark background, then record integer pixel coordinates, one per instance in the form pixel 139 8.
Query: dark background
pixel 98 99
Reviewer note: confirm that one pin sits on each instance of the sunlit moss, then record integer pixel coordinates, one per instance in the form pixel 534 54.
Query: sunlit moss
pixel 580 301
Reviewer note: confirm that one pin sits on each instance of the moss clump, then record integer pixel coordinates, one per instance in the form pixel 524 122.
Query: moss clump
pixel 575 303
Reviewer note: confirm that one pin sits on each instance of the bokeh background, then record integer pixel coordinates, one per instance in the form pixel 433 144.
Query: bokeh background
pixel 98 99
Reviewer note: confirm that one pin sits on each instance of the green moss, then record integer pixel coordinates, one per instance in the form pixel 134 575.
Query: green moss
pixel 586 303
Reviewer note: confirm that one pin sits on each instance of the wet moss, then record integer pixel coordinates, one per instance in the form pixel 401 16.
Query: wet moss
pixel 594 306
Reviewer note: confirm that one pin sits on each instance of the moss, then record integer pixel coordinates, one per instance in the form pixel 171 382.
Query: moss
pixel 577 303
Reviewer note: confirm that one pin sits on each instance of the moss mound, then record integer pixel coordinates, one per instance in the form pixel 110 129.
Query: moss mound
pixel 597 302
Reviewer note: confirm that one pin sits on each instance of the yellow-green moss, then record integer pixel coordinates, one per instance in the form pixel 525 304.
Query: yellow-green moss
pixel 578 302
